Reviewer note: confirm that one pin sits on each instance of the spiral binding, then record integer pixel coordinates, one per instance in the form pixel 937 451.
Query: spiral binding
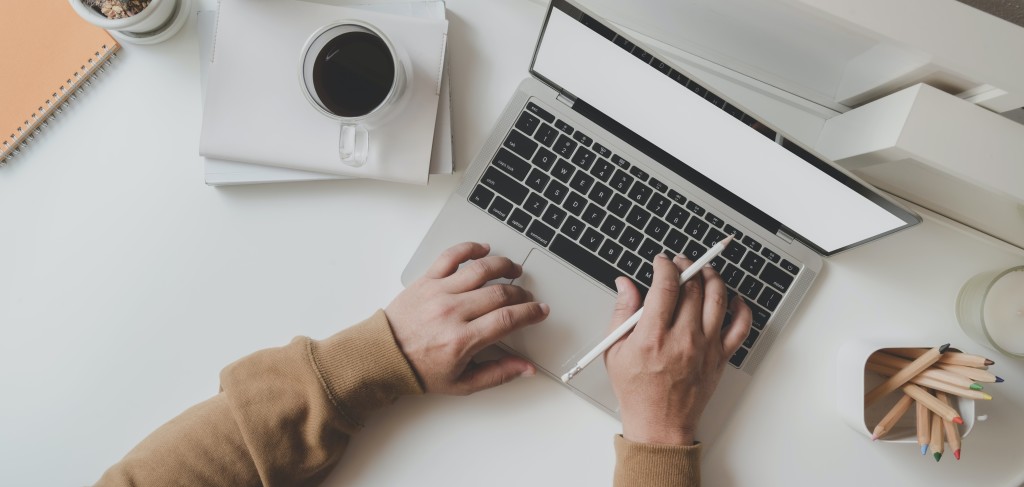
pixel 58 102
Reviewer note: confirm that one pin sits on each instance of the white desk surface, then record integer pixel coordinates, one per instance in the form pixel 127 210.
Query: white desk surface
pixel 126 285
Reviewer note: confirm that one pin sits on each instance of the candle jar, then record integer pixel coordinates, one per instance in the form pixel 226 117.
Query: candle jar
pixel 990 309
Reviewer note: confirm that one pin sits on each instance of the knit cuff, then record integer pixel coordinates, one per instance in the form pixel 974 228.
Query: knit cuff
pixel 362 368
pixel 651 465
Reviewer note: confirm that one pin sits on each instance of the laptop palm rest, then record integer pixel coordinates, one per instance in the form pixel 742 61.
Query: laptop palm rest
pixel 580 314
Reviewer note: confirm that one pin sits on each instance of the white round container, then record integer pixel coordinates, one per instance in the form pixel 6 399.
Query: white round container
pixel 156 23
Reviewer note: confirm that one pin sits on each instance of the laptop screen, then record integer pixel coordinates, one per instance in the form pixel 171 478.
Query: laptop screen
pixel 711 143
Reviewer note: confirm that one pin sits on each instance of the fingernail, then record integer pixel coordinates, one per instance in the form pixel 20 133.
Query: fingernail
pixel 486 246
pixel 618 285
pixel 663 255
pixel 545 308
pixel 530 372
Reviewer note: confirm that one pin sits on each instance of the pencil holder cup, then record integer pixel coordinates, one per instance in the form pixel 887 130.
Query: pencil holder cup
pixel 853 381
pixel 159 21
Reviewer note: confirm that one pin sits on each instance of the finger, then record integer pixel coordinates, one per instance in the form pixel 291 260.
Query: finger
pixel 689 316
pixel 716 300
pixel 626 303
pixel 660 305
pixel 738 328
pixel 450 260
pixel 480 271
pixel 478 302
pixel 493 373
pixel 493 326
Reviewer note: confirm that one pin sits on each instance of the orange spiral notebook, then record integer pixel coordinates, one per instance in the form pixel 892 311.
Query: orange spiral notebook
pixel 49 52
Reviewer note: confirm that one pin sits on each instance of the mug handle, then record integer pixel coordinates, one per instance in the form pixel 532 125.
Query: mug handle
pixel 353 145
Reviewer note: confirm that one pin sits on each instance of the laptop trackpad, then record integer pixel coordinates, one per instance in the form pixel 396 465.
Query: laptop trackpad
pixel 580 315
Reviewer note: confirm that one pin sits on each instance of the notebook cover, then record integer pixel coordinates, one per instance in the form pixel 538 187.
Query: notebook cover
pixel 47 52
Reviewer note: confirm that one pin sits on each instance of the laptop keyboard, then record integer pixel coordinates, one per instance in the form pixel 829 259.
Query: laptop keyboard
pixel 589 206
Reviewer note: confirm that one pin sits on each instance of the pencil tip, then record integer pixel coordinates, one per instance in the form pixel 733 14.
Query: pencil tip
pixel 958 420
pixel 988 362
pixel 999 379
pixel 976 387
pixel 924 449
pixel 937 456
pixel 943 348
pixel 956 453
pixel 987 396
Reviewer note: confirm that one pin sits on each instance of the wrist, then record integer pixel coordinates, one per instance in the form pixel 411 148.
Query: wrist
pixel 672 436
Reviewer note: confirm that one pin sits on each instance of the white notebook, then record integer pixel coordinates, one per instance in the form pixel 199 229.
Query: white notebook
pixel 255 111
pixel 219 172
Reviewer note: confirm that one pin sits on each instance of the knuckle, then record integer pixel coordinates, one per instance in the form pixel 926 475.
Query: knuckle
pixel 501 293
pixel 717 299
pixel 506 318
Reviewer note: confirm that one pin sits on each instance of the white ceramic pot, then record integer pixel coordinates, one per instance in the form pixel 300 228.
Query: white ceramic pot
pixel 156 23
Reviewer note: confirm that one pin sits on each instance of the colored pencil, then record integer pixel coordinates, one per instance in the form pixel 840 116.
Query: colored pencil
pixel 972 373
pixel 915 367
pixel 925 381
pixel 952 432
pixel 955 358
pixel 937 440
pixel 936 406
pixel 924 423
pixel 953 378
pixel 890 419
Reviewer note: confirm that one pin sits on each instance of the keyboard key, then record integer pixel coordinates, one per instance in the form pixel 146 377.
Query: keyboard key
pixel 638 217
pixel 500 208
pixel 675 241
pixel 591 239
pixel 504 185
pixel 621 181
pixel 582 139
pixel 619 161
pixel 650 249
pixel 640 193
pixel 619 206
pixel 771 256
pixel 555 216
pixel 751 338
pixel 737 358
pixel 594 215
pixel 629 264
pixel 646 274
pixel 537 180
pixel 511 164
pixel 544 159
pixel 584 158
pixel 677 216
pixel 575 203
pixel 519 220
pixel 714 220
pixel 713 237
pixel 657 185
pixel 600 194
pixel 694 250
pixel 556 192
pixel 612 227
pixel 731 230
pixel 481 197
pixel 695 228
pixel 790 267
pixel 656 229
pixel 678 198
pixel 697 88
pixel 769 299
pixel 750 287
pixel 540 233
pixel 752 263
pixel 695 208
pixel 581 182
pixel 587 262
pixel 631 238
pixel 572 227
pixel 535 204
pixel 718 263
pixel 563 171
pixel 715 100
pixel 642 54
pixel 527 123
pixel 540 112
pixel 602 170
pixel 734 251
pixel 761 317
pixel 658 204
pixel 602 150
pixel 753 244
pixel 546 135
pixel 565 146
pixel 520 144
pixel 638 173
pixel 564 127
pixel 732 275
pixel 776 278
pixel 661 66
pixel 610 250
pixel 679 78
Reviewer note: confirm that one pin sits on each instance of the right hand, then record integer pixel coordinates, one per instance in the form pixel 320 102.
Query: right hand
pixel 665 370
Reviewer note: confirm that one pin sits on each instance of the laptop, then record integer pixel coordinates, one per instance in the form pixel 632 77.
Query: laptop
pixel 606 156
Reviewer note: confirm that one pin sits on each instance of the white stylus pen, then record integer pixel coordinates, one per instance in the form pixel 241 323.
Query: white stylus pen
pixel 633 320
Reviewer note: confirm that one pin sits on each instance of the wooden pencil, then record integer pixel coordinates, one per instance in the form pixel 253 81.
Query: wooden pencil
pixel 924 424
pixel 932 372
pixel 952 432
pixel 972 373
pixel 936 406
pixel 936 441
pixel 890 419
pixel 926 381
pixel 901 377
pixel 955 358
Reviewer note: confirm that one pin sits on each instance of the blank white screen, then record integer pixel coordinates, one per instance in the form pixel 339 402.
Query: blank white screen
pixel 787 188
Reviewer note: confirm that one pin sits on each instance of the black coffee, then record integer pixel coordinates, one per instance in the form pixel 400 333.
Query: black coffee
pixel 353 74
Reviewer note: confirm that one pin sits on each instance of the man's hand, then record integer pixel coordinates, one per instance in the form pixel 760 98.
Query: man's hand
pixel 448 315
pixel 665 370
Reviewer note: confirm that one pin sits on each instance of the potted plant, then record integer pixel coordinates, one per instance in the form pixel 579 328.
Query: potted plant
pixel 136 21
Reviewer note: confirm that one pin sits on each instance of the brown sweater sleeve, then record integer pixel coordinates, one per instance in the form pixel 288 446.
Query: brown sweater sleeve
pixel 649 465
pixel 283 415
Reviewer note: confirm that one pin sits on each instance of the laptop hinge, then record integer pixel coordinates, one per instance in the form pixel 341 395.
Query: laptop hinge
pixel 784 236
pixel 566 98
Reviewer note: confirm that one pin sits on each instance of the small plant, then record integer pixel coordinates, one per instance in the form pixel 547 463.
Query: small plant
pixel 117 9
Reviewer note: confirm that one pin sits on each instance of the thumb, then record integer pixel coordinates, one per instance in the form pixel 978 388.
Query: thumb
pixel 627 302
pixel 493 373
